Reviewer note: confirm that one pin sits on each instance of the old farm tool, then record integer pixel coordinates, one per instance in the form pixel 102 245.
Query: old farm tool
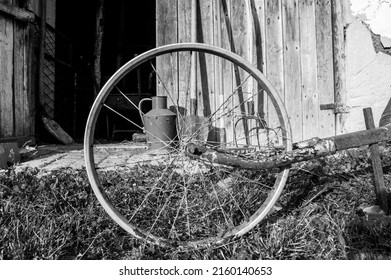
pixel 201 194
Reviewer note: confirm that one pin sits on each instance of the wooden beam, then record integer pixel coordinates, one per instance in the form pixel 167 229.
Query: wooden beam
pixel 325 71
pixel 380 187
pixel 99 29
pixel 41 58
pixel 21 140
pixel 17 13
pixel 339 56
pixel 238 82
pixel 308 60
pixel 292 66
pixel 29 74
pixel 302 151
pixel 6 77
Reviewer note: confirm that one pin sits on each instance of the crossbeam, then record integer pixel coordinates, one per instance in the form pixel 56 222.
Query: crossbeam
pixel 17 13
pixel 302 151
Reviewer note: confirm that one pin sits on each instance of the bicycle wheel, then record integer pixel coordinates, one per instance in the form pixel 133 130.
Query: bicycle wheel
pixel 162 195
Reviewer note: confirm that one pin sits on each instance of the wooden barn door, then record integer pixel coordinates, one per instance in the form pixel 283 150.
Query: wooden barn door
pixel 16 102
pixel 299 63
pixel 290 41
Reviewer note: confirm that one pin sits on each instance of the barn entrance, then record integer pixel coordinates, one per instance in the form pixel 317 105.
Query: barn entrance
pixel 125 34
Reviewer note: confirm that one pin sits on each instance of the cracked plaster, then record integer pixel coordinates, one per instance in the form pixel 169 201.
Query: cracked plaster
pixel 368 75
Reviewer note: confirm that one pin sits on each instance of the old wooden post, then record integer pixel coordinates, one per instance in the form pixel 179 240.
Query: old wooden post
pixel 98 45
pixel 380 188
pixel 338 24
pixel 42 36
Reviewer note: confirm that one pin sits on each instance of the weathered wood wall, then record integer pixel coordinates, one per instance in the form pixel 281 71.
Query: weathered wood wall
pixel 291 41
pixel 16 99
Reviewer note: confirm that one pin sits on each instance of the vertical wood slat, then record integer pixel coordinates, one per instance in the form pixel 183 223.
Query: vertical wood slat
pixel 239 23
pixel 294 39
pixel 99 33
pixel 6 76
pixel 16 100
pixel 217 41
pixel 274 55
pixel 310 105
pixel 29 74
pixel 167 33
pixel 292 77
pixel 324 46
pixel 338 24
pixel 227 73
pixel 258 19
pixel 205 67
pixel 21 104
pixel 184 63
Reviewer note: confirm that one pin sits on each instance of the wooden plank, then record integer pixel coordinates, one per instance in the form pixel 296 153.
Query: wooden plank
pixel 338 26
pixel 205 68
pixel 6 76
pixel 274 56
pixel 99 33
pixel 218 21
pixel 222 76
pixel 274 47
pixel 219 126
pixel 29 76
pixel 325 72
pixel 380 187
pixel 258 18
pixel 28 82
pixel 41 56
pixel 21 140
pixel 292 75
pixel 225 99
pixel 17 13
pixel 236 95
pixel 310 97
pixel 20 92
pixel 302 151
pixel 184 62
pixel 241 34
pixel 167 65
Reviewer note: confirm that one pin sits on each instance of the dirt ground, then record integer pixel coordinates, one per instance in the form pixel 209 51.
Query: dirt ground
pixel 52 157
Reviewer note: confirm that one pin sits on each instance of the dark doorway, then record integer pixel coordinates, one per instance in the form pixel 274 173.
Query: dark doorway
pixel 129 29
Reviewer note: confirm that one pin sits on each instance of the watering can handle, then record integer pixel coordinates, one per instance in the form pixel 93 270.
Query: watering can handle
pixel 140 106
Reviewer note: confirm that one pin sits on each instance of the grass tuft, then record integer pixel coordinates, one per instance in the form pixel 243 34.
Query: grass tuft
pixel 318 216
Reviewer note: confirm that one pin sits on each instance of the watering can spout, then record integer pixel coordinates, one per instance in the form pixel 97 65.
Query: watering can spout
pixel 159 125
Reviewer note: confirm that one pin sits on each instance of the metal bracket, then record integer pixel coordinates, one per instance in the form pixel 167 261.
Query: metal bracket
pixel 338 108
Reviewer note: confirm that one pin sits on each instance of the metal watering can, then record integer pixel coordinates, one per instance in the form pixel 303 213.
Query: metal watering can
pixel 159 124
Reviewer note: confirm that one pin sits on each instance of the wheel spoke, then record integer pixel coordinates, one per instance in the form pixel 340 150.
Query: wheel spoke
pixel 122 116
pixel 160 194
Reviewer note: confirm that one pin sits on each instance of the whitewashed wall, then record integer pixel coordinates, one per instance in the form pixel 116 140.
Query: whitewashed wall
pixel 368 71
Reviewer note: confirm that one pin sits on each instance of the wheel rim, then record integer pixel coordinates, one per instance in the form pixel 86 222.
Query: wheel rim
pixel 188 189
